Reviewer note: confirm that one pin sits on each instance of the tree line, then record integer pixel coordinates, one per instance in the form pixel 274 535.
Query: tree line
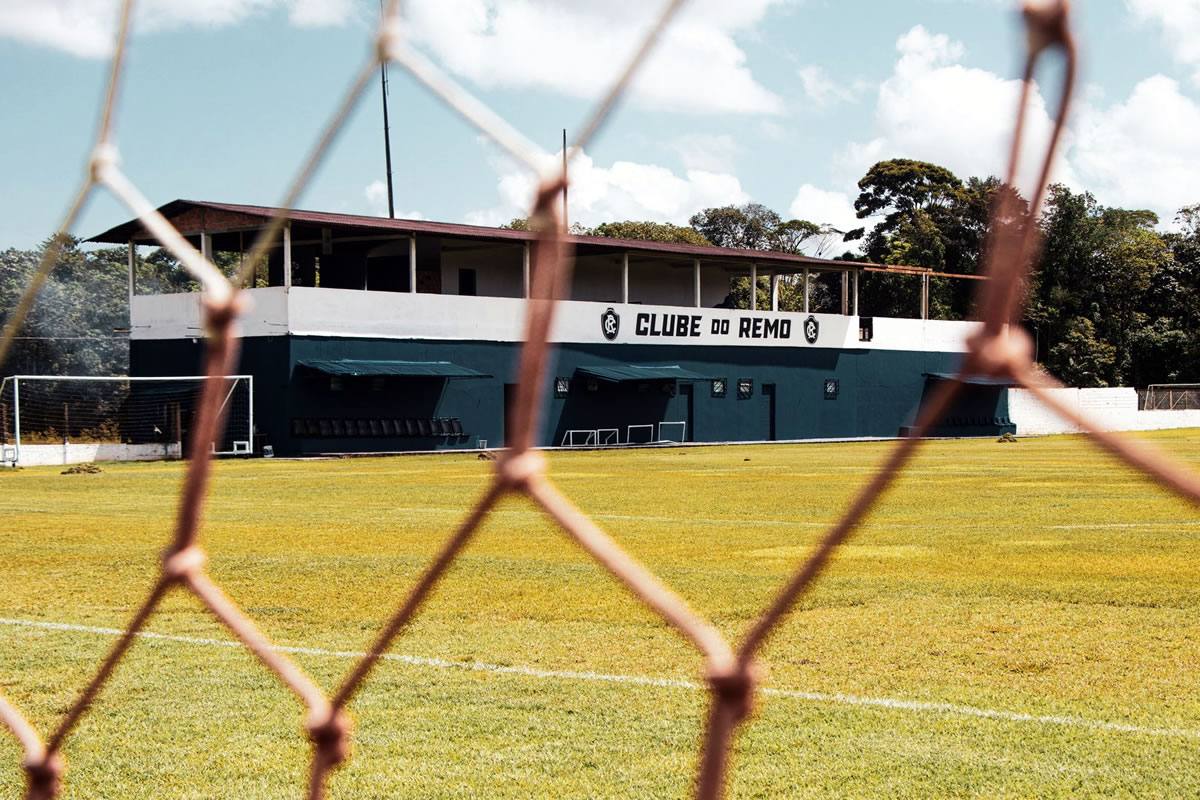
pixel 1112 300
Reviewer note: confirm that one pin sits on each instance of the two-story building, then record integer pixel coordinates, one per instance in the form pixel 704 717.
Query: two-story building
pixel 370 334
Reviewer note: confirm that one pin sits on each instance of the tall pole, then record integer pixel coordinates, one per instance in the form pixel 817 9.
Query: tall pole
pixel 566 225
pixel 387 138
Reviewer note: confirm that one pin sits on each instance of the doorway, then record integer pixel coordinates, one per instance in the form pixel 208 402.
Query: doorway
pixel 768 390
pixel 685 389
pixel 510 403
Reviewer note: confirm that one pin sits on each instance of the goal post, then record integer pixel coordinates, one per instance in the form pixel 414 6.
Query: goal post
pixel 1171 397
pixel 668 431
pixel 59 419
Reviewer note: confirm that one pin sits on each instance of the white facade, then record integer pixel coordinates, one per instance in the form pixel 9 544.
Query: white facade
pixel 303 311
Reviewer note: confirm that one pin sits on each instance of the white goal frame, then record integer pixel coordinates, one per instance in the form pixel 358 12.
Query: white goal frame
pixel 240 446
pixel 1188 396
pixel 632 428
pixel 682 431
pixel 589 440
pixel 608 436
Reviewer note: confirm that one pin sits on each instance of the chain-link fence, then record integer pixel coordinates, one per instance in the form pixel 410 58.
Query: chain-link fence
pixel 999 349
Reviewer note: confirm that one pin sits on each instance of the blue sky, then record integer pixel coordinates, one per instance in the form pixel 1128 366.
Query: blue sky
pixel 782 102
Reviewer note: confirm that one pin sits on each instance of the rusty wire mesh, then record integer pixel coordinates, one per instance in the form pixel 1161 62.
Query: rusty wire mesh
pixel 999 349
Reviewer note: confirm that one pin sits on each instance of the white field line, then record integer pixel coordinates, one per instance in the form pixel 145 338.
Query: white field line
pixel 218 507
pixel 1176 524
pixel 642 680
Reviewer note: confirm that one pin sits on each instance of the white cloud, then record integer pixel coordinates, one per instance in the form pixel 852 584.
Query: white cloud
pixel 933 108
pixel 623 190
pixel 824 91
pixel 377 202
pixel 377 196
pixel 710 153
pixel 824 208
pixel 86 28
pixel 321 13
pixel 1141 153
pixel 577 47
pixel 1180 21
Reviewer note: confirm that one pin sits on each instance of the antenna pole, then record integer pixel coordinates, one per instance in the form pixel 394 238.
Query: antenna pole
pixel 387 137
pixel 566 225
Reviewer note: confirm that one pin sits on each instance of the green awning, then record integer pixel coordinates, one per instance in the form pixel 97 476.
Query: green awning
pixel 636 372
pixel 413 369
pixel 972 380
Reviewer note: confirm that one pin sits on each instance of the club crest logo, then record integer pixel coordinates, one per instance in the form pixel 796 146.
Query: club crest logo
pixel 610 323
pixel 811 329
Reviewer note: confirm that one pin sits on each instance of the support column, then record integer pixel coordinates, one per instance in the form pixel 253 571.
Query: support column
pixel 525 268
pixel 287 256
pixel 774 292
pixel 412 263
pixel 206 246
pixel 924 297
pixel 132 267
pixel 696 281
pixel 856 274
pixel 845 293
pixel 625 278
pixel 806 290
pixel 754 287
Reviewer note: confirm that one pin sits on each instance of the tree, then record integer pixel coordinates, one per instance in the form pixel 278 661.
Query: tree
pixel 649 232
pixel 929 218
pixel 1101 266
pixel 73 326
pixel 525 224
pixel 1080 359
pixel 755 227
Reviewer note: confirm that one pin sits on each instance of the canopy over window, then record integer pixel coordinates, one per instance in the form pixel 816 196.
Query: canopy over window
pixel 638 372
pixel 426 369
pixel 972 380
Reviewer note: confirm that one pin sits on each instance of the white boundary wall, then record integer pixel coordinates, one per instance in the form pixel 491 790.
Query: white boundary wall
pixel 42 455
pixel 1113 409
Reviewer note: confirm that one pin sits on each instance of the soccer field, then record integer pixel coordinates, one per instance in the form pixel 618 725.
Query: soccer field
pixel 1017 619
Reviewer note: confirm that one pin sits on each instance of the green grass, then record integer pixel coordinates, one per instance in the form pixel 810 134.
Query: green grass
pixel 1038 578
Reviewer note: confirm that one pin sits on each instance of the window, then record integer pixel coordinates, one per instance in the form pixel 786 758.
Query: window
pixel 593 385
pixel 378 383
pixel 745 388
pixel 668 388
pixel 466 281
pixel 336 383
pixel 718 387
pixel 866 328
pixel 562 387
pixel 831 388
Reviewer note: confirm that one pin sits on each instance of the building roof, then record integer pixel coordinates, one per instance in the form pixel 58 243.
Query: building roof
pixel 249 216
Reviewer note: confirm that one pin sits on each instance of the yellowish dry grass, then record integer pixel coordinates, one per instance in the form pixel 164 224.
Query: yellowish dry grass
pixel 1037 578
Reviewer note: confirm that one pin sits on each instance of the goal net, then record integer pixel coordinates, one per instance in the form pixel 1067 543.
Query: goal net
pixel 146 415
pixel 1171 397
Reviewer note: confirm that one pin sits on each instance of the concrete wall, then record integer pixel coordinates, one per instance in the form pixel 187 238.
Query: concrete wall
pixel 41 455
pixel 1112 409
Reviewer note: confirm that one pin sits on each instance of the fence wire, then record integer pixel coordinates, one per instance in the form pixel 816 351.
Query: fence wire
pixel 999 349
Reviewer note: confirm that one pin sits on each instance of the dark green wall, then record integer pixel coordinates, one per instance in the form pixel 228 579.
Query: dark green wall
pixel 878 391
